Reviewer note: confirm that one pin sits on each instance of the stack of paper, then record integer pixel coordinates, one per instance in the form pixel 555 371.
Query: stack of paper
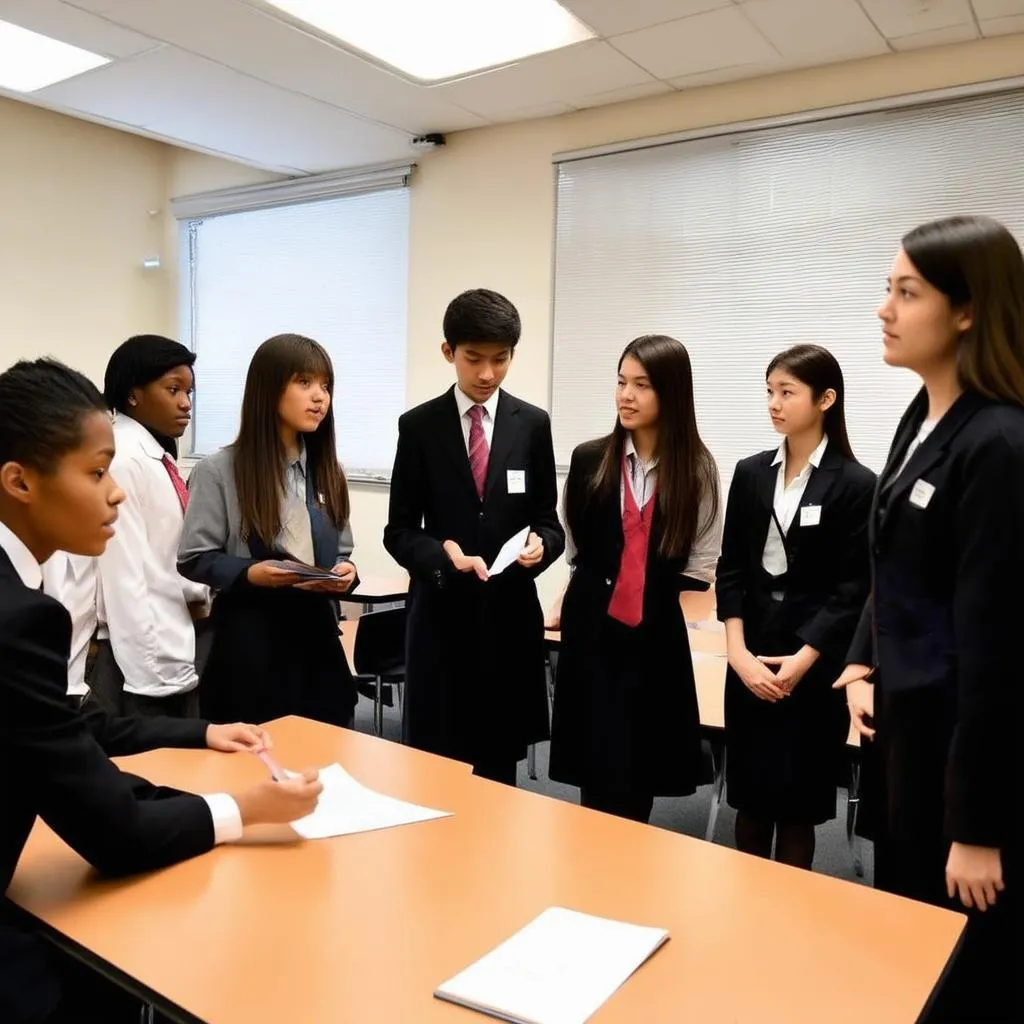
pixel 346 807
pixel 559 969
pixel 309 573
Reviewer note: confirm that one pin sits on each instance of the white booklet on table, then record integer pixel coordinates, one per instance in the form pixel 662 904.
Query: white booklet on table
pixel 347 806
pixel 560 969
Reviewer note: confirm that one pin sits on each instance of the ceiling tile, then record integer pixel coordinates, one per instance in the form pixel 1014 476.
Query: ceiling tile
pixel 988 10
pixel 936 37
pixel 533 113
pixel 631 92
pixel 247 39
pixel 79 28
pixel 703 42
pixel 185 97
pixel 561 76
pixel 722 75
pixel 1003 26
pixel 816 31
pixel 615 17
pixel 894 18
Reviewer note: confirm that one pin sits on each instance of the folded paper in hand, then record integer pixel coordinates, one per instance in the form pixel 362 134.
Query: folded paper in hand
pixel 510 551
pixel 347 806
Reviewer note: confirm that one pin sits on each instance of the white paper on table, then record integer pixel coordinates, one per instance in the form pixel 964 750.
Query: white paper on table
pixel 510 551
pixel 346 807
pixel 559 969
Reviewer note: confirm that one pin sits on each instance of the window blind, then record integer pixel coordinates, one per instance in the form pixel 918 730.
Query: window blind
pixel 742 245
pixel 335 270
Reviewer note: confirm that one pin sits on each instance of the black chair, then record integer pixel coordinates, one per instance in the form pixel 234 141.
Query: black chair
pixel 379 659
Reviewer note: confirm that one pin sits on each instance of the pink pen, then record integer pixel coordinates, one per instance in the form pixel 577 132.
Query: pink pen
pixel 277 773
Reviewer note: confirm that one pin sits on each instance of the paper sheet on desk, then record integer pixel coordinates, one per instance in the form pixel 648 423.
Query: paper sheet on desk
pixel 510 551
pixel 347 807
pixel 559 969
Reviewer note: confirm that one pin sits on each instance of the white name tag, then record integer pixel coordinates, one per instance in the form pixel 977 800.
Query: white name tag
pixel 921 494
pixel 810 515
pixel 516 479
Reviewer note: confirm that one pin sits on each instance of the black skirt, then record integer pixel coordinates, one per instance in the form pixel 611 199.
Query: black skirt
pixel 783 760
pixel 276 652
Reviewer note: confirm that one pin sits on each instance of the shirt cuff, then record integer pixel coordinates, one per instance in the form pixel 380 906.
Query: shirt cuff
pixel 227 818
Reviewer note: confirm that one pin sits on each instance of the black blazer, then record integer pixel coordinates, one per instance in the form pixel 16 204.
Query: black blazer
pixel 828 576
pixel 947 600
pixel 475 658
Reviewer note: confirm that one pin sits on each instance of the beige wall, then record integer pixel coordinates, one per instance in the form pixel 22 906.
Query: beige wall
pixel 482 214
pixel 75 202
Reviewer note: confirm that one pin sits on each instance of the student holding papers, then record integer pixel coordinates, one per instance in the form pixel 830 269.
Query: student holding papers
pixel 475 467
pixel 56 446
pixel 642 511
pixel 277 494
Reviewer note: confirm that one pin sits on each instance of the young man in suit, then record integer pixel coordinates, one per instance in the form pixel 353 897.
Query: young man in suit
pixel 474 467
pixel 56 445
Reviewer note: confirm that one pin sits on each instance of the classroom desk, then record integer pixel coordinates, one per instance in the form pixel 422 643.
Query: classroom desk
pixel 363 928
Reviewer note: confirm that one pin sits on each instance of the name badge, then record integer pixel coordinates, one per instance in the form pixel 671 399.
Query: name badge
pixel 516 480
pixel 921 494
pixel 810 515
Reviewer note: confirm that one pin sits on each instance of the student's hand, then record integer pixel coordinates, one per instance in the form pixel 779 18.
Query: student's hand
pixel 532 553
pixel 975 874
pixel 791 668
pixel 199 610
pixel 346 573
pixel 860 696
pixel 465 563
pixel 756 677
pixel 232 738
pixel 261 574
pixel 277 803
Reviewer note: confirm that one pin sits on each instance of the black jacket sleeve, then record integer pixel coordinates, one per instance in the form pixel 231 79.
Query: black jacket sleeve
pixel 730 579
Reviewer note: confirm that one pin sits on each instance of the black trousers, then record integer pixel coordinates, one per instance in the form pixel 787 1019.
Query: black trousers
pixel 635 806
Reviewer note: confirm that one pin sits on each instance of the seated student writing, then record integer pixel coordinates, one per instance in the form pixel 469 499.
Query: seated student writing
pixel 643 519
pixel 277 493
pixel 473 468
pixel 56 446
pixel 792 580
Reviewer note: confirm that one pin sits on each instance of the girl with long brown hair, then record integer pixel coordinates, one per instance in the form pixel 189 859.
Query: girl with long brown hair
pixel 278 493
pixel 642 511
pixel 934 672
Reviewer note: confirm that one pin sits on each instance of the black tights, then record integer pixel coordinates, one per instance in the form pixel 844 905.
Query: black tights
pixel 794 844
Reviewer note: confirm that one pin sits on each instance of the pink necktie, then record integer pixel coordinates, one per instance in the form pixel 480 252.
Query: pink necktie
pixel 180 487
pixel 478 451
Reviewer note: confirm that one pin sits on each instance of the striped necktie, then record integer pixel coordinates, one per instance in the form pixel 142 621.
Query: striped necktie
pixel 479 453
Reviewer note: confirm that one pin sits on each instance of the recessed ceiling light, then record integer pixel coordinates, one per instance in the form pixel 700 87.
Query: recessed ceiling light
pixel 435 40
pixel 30 61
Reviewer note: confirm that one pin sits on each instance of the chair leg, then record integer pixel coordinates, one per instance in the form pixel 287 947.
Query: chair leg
pixel 378 710
pixel 852 810
pixel 717 791
pixel 531 761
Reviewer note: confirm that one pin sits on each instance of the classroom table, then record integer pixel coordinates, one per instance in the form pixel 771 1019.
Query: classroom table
pixel 364 927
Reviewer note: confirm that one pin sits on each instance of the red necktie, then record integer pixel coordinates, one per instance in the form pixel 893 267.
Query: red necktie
pixel 180 487
pixel 478 450
pixel 627 603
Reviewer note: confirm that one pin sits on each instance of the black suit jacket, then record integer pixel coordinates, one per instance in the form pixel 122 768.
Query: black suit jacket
pixel 828 575
pixel 947 604
pixel 54 761
pixel 475 657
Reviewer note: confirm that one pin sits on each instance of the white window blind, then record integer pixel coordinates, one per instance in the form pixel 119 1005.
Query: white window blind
pixel 335 270
pixel 742 245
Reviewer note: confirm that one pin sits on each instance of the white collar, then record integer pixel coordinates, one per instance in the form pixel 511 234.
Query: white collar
pixel 22 559
pixel 814 460
pixel 465 403
pixel 140 435
pixel 630 449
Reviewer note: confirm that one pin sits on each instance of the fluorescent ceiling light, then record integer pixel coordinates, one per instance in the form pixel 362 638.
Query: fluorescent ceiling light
pixel 29 61
pixel 433 40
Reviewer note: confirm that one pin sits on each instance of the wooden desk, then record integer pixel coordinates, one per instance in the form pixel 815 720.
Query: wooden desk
pixel 362 928
pixel 378 590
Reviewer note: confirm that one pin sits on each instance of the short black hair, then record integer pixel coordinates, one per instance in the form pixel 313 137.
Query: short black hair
pixel 139 361
pixel 483 316
pixel 42 406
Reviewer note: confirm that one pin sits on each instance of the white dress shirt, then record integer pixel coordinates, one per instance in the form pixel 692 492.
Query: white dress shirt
pixel 786 502
pixel 465 403
pixel 643 478
pixel 143 601
pixel 227 818
pixel 71 579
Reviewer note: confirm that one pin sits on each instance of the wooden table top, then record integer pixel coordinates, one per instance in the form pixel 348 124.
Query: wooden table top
pixel 364 927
